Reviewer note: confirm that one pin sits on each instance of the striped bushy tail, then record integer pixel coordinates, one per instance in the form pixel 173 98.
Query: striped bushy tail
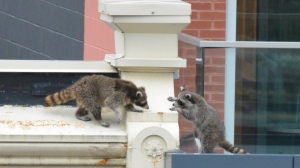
pixel 230 148
pixel 60 97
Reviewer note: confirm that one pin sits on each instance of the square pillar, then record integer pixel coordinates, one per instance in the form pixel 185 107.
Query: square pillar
pixel 147 54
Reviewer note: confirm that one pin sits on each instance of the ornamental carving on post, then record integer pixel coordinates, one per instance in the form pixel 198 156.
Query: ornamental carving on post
pixel 153 147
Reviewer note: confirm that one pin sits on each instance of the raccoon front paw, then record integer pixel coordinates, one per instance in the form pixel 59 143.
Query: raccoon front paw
pixel 135 110
pixel 170 98
pixel 84 118
pixel 172 109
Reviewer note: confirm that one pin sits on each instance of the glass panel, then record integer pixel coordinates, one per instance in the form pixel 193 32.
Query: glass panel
pixel 192 78
pixel 267 92
pixel 267 100
pixel 268 20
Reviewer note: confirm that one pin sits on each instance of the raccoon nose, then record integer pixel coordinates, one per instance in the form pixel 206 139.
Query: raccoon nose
pixel 147 107
pixel 173 104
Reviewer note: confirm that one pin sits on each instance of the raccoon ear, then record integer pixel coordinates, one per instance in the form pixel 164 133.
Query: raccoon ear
pixel 188 96
pixel 142 88
pixel 182 88
pixel 139 94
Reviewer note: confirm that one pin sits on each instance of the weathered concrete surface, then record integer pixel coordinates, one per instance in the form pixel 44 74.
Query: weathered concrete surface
pixel 56 124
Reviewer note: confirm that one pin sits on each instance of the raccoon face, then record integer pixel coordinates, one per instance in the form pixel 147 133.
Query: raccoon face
pixel 141 98
pixel 184 104
pixel 184 100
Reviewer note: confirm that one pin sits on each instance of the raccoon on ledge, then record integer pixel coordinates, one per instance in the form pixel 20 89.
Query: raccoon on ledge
pixel 97 91
pixel 205 119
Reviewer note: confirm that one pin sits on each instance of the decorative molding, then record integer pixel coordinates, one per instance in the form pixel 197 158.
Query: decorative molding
pixel 154 148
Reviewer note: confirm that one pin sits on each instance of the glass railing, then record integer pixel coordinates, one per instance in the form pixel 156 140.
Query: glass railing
pixel 262 115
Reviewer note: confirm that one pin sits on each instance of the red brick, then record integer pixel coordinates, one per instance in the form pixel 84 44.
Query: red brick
pixel 194 32
pixel 203 24
pixel 218 60
pixel 189 79
pixel 214 88
pixel 190 53
pixel 212 33
pixel 191 61
pixel 206 78
pixel 214 69
pixel 201 6
pixel 218 79
pixel 190 86
pixel 212 15
pixel 219 52
pixel 220 6
pixel 217 97
pixel 194 15
pixel 190 70
pixel 186 46
pixel 208 60
pixel 180 51
pixel 219 25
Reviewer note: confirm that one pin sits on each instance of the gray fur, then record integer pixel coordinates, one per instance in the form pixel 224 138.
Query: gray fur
pixel 205 119
pixel 97 91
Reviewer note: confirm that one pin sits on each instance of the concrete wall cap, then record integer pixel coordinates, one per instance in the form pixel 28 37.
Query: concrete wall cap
pixel 134 7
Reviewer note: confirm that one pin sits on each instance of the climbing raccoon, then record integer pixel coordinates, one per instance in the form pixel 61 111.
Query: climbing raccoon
pixel 96 91
pixel 207 124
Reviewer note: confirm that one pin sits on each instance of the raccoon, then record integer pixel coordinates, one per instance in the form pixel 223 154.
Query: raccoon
pixel 207 124
pixel 95 92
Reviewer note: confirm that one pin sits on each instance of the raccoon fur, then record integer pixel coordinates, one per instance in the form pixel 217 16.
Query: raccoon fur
pixel 208 126
pixel 95 92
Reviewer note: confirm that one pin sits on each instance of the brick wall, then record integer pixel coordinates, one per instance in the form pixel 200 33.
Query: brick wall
pixel 208 22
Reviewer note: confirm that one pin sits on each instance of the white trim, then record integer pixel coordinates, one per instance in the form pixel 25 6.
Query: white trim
pixel 56 66
pixel 230 60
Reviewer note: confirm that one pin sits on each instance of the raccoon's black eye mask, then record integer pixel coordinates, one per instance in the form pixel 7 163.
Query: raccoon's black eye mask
pixel 143 104
pixel 180 102
pixel 190 98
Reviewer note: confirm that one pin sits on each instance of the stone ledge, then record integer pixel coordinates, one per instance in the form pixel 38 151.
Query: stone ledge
pixel 62 162
pixel 55 124
pixel 92 150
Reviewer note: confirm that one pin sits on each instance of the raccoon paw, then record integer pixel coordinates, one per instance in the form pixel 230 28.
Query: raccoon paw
pixel 104 124
pixel 135 110
pixel 170 98
pixel 84 118
pixel 172 109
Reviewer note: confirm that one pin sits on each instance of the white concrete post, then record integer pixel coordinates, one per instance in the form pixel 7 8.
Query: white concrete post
pixel 147 54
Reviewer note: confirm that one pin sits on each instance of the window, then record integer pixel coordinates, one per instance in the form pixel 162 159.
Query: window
pixel 267 90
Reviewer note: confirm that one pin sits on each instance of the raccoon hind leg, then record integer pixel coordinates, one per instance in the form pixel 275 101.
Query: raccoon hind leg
pixel 81 114
pixel 91 105
pixel 208 144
